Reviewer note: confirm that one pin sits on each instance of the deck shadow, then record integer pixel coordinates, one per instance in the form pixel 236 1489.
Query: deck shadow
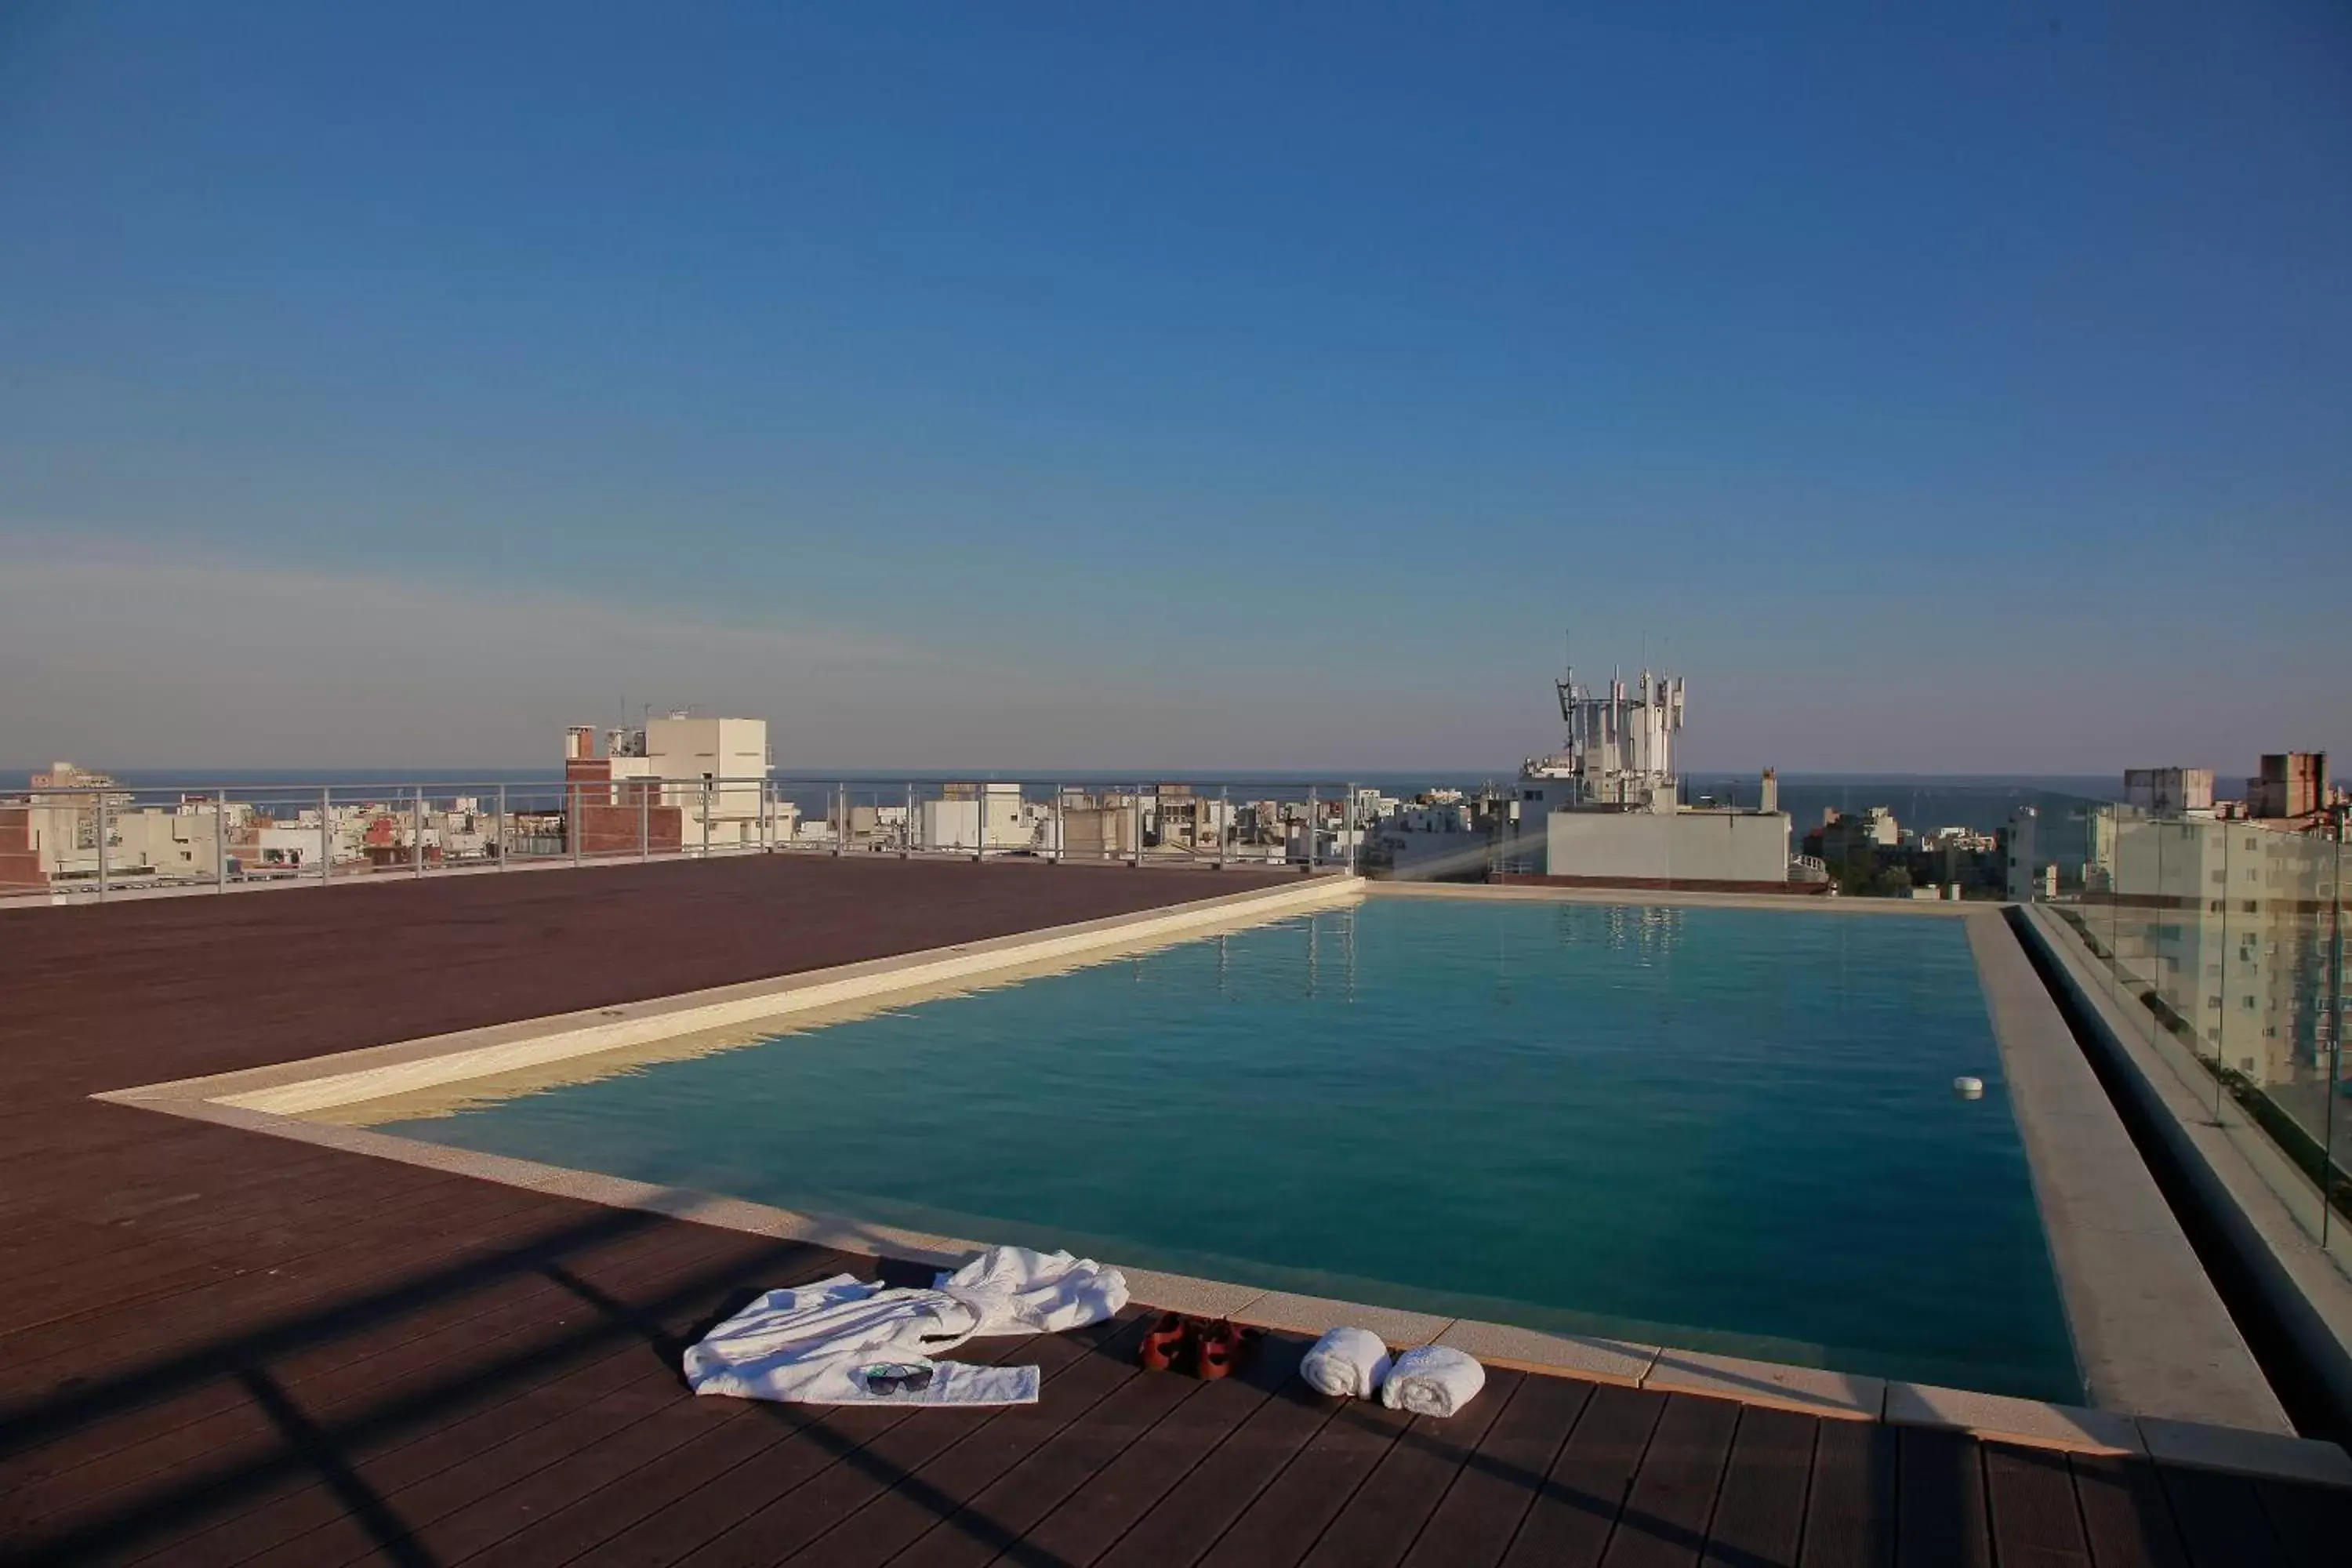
pixel 330 1451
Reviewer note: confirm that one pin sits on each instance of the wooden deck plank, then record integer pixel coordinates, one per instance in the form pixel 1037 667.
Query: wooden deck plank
pixel 1759 1515
pixel 899 1504
pixel 1395 1502
pixel 1203 1505
pixel 228 1484
pixel 550 1492
pixel 1106 1504
pixel 224 1316
pixel 2223 1524
pixel 1283 1522
pixel 363 1322
pixel 2125 1516
pixel 1472 1526
pixel 240 1508
pixel 2313 1524
pixel 822 1467
pixel 1939 1500
pixel 207 1388
pixel 1850 1508
pixel 1665 1518
pixel 157 1345
pixel 570 1389
pixel 1570 1522
pixel 2035 1521
pixel 99 1263
pixel 316 1526
pixel 336 1381
pixel 1002 1514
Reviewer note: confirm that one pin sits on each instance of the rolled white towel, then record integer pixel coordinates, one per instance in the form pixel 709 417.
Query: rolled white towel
pixel 1435 1380
pixel 1349 1363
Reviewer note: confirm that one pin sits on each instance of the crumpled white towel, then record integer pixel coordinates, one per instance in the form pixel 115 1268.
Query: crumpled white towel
pixel 1349 1363
pixel 806 1344
pixel 1435 1380
pixel 1019 1291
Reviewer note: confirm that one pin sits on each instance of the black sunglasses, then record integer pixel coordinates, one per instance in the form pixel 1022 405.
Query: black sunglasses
pixel 889 1377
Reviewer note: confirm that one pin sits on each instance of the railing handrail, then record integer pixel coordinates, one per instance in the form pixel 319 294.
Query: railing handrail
pixel 310 788
pixel 462 824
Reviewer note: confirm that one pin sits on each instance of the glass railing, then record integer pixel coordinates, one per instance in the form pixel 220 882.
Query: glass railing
pixel 2222 942
pixel 1919 840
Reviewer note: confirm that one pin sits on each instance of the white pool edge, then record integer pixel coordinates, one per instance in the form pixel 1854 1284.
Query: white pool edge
pixel 406 1067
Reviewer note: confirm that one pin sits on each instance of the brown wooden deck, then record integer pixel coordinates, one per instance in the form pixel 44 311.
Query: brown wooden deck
pixel 222 1347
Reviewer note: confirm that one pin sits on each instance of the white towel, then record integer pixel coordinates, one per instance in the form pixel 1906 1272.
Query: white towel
pixel 1349 1363
pixel 1435 1380
pixel 1018 1291
pixel 809 1344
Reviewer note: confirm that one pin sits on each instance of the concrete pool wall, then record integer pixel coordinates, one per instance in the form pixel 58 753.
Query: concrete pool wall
pixel 2155 1344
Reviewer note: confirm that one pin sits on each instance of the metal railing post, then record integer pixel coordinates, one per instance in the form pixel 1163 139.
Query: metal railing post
pixel 326 833
pixel 416 828
pixel 104 828
pixel 2336 1007
pixel 645 825
pixel 499 828
pixel 840 819
pixel 220 842
pixel 767 817
pixel 578 820
pixel 706 817
pixel 1061 829
pixel 1311 827
pixel 1137 819
pixel 1224 820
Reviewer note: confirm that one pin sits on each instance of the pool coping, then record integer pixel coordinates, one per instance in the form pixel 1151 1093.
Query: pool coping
pixel 377 1072
pixel 272 1099
pixel 2151 1333
pixel 2230 1168
pixel 1789 903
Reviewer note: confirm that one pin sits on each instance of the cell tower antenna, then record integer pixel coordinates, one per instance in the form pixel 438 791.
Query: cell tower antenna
pixel 1566 684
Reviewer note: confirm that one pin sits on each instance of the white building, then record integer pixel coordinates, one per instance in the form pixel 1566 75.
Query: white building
pixel 2170 792
pixel 714 770
pixel 1608 807
pixel 2218 921
pixel 971 817
pixel 184 842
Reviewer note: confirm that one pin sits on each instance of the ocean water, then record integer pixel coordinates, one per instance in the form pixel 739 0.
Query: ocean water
pixel 1722 1129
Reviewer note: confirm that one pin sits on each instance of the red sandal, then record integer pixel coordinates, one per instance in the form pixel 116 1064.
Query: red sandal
pixel 1164 1344
pixel 1220 1350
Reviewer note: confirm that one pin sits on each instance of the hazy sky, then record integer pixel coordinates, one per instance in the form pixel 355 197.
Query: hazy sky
pixel 1961 388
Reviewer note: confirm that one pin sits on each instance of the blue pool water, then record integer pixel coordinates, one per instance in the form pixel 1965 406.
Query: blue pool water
pixel 1717 1128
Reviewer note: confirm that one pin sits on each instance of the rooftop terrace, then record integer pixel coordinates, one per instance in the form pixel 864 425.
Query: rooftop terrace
pixel 226 1347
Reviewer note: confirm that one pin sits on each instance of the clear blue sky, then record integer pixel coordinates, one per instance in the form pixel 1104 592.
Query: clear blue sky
pixel 1959 388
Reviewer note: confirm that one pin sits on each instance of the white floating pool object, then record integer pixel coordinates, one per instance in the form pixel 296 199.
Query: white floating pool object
pixel 1969 1087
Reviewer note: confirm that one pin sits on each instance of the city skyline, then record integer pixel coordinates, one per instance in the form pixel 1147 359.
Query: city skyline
pixel 278 680
pixel 1944 393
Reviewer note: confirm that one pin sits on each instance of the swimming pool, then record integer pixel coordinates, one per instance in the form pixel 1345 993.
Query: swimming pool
pixel 1716 1129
